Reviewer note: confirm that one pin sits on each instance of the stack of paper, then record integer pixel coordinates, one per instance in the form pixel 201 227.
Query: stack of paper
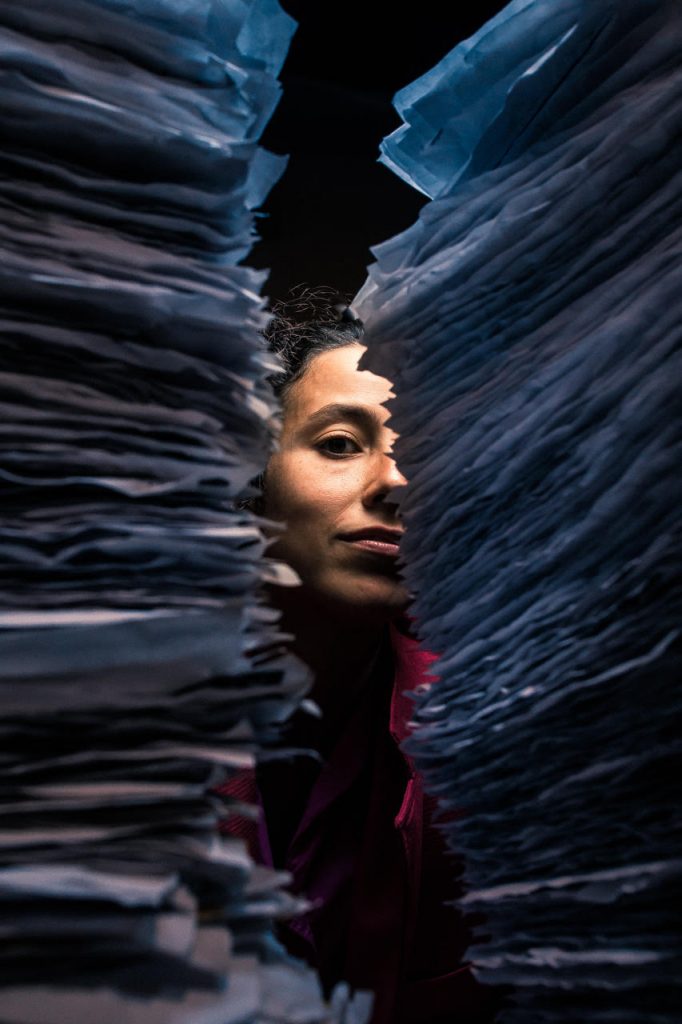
pixel 134 411
pixel 531 322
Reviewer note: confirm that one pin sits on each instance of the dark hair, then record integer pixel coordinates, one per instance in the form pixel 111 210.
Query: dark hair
pixel 309 322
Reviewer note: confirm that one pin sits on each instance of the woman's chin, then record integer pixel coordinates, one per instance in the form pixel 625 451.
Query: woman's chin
pixel 368 600
pixel 350 598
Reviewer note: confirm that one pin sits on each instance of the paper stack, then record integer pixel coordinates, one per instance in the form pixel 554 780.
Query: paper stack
pixel 135 410
pixel 531 322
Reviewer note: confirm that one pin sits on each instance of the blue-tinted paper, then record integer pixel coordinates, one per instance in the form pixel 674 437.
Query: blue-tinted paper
pixel 530 320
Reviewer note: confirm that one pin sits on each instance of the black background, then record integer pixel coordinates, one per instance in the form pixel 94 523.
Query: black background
pixel 334 201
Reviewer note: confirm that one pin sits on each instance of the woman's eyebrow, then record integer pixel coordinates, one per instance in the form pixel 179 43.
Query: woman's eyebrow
pixel 363 415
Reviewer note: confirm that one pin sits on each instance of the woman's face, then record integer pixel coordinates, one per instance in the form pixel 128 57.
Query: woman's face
pixel 328 483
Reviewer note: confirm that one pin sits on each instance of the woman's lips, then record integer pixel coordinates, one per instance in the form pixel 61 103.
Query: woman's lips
pixel 381 542
pixel 380 547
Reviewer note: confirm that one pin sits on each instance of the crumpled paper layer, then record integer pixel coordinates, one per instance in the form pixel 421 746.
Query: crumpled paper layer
pixel 139 670
pixel 531 322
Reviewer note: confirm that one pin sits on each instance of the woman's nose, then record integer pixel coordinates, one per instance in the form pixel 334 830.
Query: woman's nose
pixel 384 476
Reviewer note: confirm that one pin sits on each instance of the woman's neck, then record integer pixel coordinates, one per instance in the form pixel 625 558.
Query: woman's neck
pixel 341 653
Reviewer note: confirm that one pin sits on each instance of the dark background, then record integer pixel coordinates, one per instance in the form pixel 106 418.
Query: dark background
pixel 334 200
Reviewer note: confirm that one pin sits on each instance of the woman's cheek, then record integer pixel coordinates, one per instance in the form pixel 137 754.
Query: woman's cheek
pixel 338 489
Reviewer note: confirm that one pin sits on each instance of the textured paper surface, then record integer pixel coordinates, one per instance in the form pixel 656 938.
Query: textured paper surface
pixel 531 322
pixel 134 411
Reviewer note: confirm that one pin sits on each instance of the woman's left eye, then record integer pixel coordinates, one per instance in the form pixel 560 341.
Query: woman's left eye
pixel 338 445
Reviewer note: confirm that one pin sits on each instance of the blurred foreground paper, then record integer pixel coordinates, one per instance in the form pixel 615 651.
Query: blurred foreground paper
pixel 134 409
pixel 532 322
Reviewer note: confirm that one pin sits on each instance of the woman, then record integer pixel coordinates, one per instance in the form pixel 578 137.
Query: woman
pixel 352 826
